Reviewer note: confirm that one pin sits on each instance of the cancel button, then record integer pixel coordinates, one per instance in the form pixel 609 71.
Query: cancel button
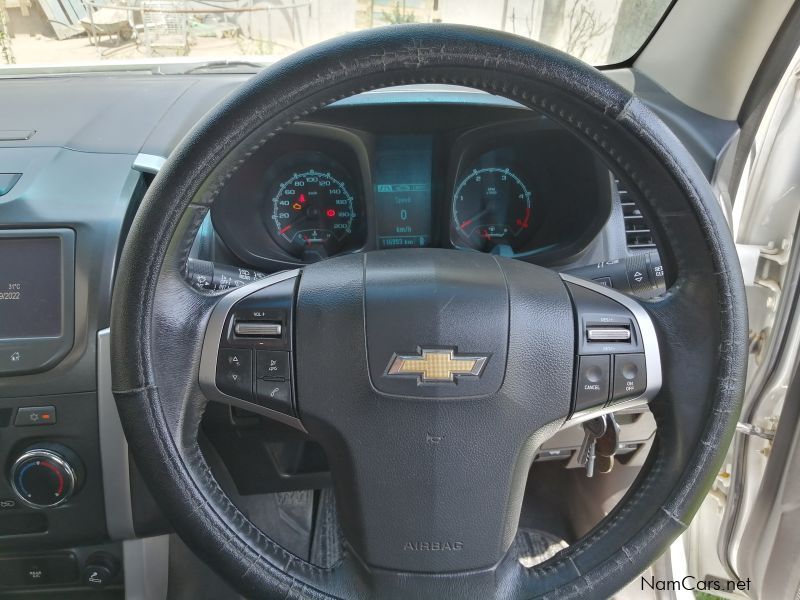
pixel 593 382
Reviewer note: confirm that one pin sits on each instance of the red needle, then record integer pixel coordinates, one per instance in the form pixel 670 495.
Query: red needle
pixel 473 217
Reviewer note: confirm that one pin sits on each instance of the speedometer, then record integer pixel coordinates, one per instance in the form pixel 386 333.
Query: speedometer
pixel 492 207
pixel 312 213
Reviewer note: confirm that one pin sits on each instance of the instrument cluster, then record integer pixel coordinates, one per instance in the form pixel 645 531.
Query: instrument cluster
pixel 524 189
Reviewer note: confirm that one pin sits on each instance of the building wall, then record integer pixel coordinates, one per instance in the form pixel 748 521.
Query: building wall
pixel 286 29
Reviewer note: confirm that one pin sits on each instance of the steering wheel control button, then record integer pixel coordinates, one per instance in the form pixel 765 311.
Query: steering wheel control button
pixel 258 329
pixel 235 372
pixel 630 376
pixel 262 319
pixel 615 328
pixel 592 386
pixel 35 415
pixel 276 395
pixel 272 364
pixel 606 326
pixel 608 334
pixel 234 360
pixel 42 478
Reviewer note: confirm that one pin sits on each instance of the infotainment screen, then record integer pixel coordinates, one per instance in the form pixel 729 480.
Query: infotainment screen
pixel 30 287
pixel 403 166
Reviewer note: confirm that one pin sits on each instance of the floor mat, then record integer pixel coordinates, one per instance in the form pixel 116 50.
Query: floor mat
pixel 534 547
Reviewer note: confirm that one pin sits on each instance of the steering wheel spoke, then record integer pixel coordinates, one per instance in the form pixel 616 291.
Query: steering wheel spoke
pixel 247 358
pixel 618 361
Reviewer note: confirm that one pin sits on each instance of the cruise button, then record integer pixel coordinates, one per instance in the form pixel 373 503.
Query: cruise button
pixel 630 376
pixel 591 388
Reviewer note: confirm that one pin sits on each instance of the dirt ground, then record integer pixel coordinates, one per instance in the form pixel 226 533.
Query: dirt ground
pixel 41 50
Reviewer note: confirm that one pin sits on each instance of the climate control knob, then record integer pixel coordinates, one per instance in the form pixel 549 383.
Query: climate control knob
pixel 44 477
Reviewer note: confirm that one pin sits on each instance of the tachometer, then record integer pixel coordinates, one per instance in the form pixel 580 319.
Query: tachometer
pixel 312 213
pixel 492 207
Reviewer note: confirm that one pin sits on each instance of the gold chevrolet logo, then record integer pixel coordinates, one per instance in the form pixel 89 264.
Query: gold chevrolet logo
pixel 436 365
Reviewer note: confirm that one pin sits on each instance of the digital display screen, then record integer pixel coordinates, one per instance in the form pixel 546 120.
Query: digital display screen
pixel 403 190
pixel 30 287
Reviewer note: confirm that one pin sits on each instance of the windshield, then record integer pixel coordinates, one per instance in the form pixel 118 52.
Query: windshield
pixel 245 34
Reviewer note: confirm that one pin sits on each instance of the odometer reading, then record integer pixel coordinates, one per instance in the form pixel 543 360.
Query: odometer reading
pixel 492 206
pixel 313 212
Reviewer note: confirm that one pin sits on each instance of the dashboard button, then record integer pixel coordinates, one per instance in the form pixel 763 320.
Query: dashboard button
pixel 101 569
pixel 272 364
pixel 35 415
pixel 592 386
pixel 43 478
pixel 235 372
pixel 630 376
pixel 13 360
pixel 276 395
pixel 36 573
pixel 56 569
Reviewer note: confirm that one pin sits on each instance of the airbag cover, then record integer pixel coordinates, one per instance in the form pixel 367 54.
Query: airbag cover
pixel 419 300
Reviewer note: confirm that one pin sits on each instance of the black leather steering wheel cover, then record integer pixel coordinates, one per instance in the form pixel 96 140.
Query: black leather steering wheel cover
pixel 702 321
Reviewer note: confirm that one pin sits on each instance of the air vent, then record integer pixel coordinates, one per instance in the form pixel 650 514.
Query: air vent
pixel 637 231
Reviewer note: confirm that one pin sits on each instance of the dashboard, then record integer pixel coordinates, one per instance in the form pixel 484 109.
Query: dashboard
pixel 490 180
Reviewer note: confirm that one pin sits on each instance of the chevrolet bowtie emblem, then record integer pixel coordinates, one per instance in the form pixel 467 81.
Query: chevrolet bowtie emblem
pixel 436 365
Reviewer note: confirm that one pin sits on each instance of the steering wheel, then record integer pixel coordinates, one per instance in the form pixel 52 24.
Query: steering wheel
pixel 430 377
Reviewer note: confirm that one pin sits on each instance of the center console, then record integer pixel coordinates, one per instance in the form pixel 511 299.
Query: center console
pixel 51 490
pixel 60 235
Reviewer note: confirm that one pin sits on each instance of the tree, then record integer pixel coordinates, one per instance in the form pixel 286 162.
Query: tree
pixel 635 21
pixel 5 39
pixel 398 16
pixel 584 25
